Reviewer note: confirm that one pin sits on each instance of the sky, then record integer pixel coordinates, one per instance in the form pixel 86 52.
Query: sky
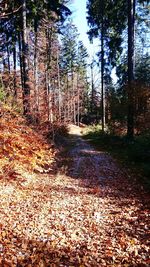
pixel 78 8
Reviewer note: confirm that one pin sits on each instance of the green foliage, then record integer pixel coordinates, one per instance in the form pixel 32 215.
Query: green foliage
pixel 81 58
pixel 117 106
pixel 118 101
pixel 146 170
pixel 112 17
pixel 139 150
pixel 142 71
pixel 68 58
pixel 2 93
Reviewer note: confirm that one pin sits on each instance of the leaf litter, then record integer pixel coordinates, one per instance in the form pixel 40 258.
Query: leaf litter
pixel 94 214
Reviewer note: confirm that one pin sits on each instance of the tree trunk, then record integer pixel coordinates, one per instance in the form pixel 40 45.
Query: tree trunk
pixel 14 70
pixel 26 89
pixel 131 18
pixel 20 59
pixel 49 34
pixel 102 72
pixel 8 55
pixel 14 38
pixel 92 84
pixel 78 92
pixel 59 85
pixel 73 99
pixel 68 100
pixel 36 89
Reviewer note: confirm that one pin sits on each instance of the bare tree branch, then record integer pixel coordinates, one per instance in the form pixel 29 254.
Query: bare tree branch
pixel 8 14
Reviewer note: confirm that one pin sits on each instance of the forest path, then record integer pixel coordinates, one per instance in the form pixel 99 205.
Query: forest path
pixel 89 163
pixel 86 213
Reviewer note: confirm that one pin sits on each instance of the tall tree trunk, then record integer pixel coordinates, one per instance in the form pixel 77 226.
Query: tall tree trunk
pixel 73 99
pixel 26 88
pixel 47 95
pixel 102 71
pixel 8 55
pixel 92 84
pixel 78 104
pixel 14 69
pixel 59 85
pixel 14 60
pixel 20 60
pixel 49 35
pixel 36 91
pixel 131 19
pixel 68 100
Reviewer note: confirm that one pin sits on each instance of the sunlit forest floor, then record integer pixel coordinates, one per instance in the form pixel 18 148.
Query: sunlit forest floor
pixel 81 210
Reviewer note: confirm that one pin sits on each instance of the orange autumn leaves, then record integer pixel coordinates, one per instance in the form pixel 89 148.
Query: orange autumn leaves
pixel 21 146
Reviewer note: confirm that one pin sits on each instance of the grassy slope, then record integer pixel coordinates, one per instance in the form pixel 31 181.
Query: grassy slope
pixel 135 155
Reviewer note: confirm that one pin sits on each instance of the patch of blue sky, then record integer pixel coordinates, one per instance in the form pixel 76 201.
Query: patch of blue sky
pixel 78 8
pixel 79 14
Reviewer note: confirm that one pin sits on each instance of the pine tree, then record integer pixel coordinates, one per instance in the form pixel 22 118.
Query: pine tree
pixel 81 72
pixel 108 20
pixel 68 66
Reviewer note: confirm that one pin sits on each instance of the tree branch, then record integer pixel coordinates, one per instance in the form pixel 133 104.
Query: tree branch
pixel 8 14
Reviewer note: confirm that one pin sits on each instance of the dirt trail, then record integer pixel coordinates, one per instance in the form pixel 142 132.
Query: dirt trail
pixel 89 162
pixel 92 215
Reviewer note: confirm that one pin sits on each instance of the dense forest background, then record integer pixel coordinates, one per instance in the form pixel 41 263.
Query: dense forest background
pixel 44 67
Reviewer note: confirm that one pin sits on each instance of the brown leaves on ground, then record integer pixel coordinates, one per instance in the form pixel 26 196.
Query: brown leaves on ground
pixel 67 220
pixel 21 148
pixel 60 221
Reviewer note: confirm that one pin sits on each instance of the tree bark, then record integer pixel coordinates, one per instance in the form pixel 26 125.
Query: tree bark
pixel 26 88
pixel 8 55
pixel 131 19
pixel 36 89
pixel 102 71
pixel 20 60
pixel 68 100
pixel 92 84
pixel 59 85
pixel 49 35
pixel 14 70
pixel 78 104
pixel 73 98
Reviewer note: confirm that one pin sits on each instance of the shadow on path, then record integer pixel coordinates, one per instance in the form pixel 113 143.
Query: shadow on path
pixel 86 212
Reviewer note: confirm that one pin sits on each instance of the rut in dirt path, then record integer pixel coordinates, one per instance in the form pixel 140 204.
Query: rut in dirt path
pixel 89 162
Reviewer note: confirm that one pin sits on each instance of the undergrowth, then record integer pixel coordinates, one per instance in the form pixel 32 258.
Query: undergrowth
pixel 22 148
pixel 135 154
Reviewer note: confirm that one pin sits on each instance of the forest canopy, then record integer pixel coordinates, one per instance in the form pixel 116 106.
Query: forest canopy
pixel 45 70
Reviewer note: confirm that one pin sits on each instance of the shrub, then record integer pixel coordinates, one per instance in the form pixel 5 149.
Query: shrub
pixel 2 94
